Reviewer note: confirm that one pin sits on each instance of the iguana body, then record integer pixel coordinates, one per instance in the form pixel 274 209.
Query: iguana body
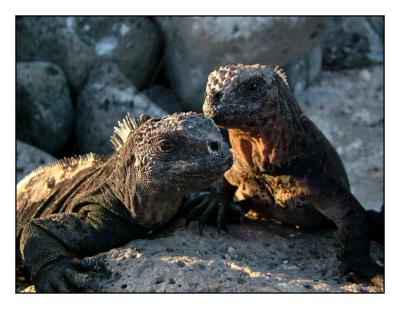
pixel 284 168
pixel 79 207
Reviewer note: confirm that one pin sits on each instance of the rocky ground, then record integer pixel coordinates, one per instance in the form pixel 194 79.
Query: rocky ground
pixel 253 257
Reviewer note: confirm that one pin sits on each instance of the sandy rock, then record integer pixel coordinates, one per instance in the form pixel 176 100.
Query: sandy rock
pixel 354 42
pixel 265 259
pixel 28 158
pixel 77 43
pixel 197 45
pixel 44 109
pixel 106 98
pixel 348 108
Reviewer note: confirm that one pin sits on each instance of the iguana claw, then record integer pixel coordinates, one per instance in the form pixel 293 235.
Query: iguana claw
pixel 70 276
pixel 361 269
pixel 212 208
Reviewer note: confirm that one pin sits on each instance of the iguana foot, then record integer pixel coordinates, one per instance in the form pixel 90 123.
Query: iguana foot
pixel 70 276
pixel 361 269
pixel 212 207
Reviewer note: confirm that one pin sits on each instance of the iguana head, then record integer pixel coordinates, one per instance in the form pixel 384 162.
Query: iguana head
pixel 245 96
pixel 183 150
pixel 160 160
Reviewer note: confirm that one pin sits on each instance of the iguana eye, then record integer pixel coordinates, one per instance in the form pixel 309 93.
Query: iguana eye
pixel 253 86
pixel 166 146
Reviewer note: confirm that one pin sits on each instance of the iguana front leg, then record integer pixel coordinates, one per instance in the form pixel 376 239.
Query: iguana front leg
pixel 214 206
pixel 49 246
pixel 341 207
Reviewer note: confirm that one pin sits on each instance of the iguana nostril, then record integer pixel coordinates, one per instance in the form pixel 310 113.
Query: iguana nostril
pixel 213 146
pixel 217 96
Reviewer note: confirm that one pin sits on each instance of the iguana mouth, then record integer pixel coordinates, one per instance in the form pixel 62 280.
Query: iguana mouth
pixel 210 170
pixel 223 115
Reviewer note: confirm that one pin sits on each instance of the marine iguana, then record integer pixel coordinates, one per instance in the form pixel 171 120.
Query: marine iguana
pixel 284 167
pixel 81 206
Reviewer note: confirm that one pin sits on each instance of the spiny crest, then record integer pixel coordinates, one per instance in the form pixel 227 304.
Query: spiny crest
pixel 281 73
pixel 222 77
pixel 68 162
pixel 126 127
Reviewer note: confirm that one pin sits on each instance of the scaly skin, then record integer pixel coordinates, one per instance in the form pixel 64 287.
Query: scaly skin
pixel 284 168
pixel 82 206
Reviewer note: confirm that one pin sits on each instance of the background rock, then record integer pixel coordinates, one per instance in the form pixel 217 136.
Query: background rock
pixel 197 45
pixel 301 73
pixel 54 39
pixel 164 97
pixel 134 43
pixel 28 158
pixel 44 109
pixel 106 98
pixel 252 257
pixel 77 43
pixel 378 24
pixel 354 42
pixel 348 108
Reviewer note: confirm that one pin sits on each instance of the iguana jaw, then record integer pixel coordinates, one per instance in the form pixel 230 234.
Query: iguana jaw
pixel 235 116
pixel 205 170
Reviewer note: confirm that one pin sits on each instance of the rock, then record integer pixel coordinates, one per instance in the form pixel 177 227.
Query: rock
pixel 304 71
pixel 78 43
pixel 348 108
pixel 353 43
pixel 378 24
pixel 134 43
pixel 29 158
pixel 164 97
pixel 197 45
pixel 54 39
pixel 44 109
pixel 106 99
pixel 188 269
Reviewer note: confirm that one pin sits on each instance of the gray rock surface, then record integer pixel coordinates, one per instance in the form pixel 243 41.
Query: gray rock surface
pixel 354 42
pixel 77 43
pixel 197 45
pixel 253 257
pixel 134 43
pixel 378 24
pixel 54 39
pixel 106 99
pixel 44 109
pixel 28 158
pixel 301 73
pixel 164 97
pixel 348 107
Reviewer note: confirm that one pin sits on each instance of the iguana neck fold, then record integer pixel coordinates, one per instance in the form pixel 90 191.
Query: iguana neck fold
pixel 276 143
pixel 144 198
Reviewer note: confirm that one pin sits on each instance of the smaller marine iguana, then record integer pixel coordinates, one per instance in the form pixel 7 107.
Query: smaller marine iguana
pixel 284 168
pixel 81 206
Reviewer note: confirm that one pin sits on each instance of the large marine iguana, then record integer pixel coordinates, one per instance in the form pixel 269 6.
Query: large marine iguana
pixel 81 206
pixel 284 167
